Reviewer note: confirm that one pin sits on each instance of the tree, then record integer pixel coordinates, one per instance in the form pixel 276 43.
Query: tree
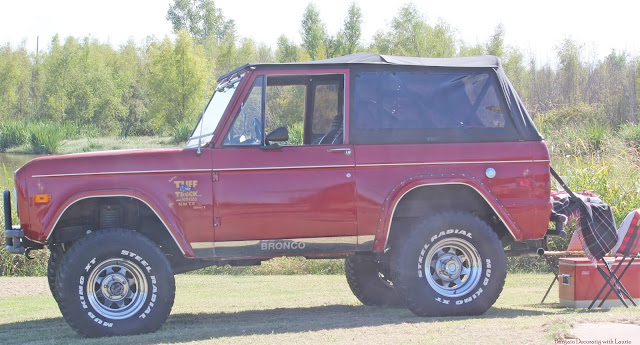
pixel 411 35
pixel 314 35
pixel 15 74
pixel 200 18
pixel 470 50
pixel 287 51
pixel 570 70
pixel 351 30
pixel 495 46
pixel 177 80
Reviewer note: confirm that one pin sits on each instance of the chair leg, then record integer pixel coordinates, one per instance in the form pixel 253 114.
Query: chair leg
pixel 619 284
pixel 605 286
pixel 612 285
pixel 555 273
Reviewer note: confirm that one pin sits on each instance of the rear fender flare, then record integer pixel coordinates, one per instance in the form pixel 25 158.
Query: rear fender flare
pixel 383 229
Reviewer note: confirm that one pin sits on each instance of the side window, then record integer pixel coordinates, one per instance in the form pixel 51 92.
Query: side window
pixel 431 106
pixel 310 107
pixel 247 126
pixel 326 108
pixel 285 108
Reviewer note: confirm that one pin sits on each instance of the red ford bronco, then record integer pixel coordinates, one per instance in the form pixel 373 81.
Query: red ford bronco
pixel 418 171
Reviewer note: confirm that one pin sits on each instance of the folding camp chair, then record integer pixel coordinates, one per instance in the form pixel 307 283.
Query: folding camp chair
pixel 628 246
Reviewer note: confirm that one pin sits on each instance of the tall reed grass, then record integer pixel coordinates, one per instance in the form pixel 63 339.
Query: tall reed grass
pixel 12 134
pixel 45 137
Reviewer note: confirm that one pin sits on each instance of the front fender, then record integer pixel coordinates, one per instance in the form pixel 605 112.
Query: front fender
pixel 166 214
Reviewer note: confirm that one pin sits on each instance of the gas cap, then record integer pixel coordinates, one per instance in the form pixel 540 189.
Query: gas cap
pixel 490 172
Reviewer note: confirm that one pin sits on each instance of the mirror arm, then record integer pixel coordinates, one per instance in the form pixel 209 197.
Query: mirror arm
pixel 270 147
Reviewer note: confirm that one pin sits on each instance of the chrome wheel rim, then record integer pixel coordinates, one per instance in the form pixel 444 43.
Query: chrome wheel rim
pixel 117 289
pixel 453 267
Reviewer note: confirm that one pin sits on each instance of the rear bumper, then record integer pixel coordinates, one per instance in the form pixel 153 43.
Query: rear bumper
pixel 13 235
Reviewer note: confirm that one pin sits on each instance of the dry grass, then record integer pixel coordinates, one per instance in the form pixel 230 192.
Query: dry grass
pixel 307 310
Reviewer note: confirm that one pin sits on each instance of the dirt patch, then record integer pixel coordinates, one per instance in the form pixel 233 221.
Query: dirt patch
pixel 604 333
pixel 23 287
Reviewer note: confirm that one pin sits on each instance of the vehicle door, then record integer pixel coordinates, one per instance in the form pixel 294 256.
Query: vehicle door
pixel 283 177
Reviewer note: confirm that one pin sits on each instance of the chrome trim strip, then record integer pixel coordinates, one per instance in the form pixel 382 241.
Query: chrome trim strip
pixel 201 245
pixel 446 163
pixel 386 240
pixel 296 246
pixel 125 172
pixel 289 167
pixel 610 262
pixel 286 168
pixel 117 195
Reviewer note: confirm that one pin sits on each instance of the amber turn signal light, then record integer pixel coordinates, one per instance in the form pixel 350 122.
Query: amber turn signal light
pixel 41 198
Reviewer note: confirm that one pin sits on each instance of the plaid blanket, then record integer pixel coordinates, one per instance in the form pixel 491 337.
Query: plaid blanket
pixel 597 228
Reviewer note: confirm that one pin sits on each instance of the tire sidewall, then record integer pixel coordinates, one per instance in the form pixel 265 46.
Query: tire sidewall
pixel 409 268
pixel 83 261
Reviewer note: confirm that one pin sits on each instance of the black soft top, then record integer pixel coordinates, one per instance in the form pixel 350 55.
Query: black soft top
pixel 518 112
pixel 372 58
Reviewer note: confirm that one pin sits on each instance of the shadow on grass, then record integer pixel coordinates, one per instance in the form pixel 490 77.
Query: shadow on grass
pixel 194 327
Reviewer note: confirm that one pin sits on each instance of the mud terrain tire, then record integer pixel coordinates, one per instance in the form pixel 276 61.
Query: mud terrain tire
pixel 447 265
pixel 368 283
pixel 56 254
pixel 115 282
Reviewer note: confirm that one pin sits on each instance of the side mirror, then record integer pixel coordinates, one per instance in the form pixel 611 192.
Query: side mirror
pixel 278 134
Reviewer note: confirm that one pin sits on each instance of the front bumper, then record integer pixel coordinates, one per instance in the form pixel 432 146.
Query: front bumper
pixel 13 235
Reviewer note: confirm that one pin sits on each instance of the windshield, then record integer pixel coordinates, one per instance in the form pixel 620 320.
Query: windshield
pixel 212 115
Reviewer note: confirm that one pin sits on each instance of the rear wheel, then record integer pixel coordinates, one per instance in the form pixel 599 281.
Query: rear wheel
pixel 370 282
pixel 115 282
pixel 449 264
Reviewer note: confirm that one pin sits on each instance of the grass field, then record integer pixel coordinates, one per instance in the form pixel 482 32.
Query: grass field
pixel 305 309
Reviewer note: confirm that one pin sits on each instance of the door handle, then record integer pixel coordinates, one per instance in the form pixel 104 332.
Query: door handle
pixel 346 150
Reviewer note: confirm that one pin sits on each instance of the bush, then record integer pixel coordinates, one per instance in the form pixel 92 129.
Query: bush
pixel 45 137
pixel 12 134
pixel 182 132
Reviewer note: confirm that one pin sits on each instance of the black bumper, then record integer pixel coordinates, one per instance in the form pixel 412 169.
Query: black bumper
pixel 14 237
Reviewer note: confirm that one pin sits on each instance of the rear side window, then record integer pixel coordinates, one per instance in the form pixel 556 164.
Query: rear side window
pixel 429 106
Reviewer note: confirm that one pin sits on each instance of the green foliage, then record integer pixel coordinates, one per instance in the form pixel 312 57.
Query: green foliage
pixel 495 46
pixel 177 81
pixel 411 35
pixel 45 137
pixel 182 132
pixel 351 31
pixel 630 134
pixel 296 132
pixel 314 33
pixel 12 134
pixel 200 18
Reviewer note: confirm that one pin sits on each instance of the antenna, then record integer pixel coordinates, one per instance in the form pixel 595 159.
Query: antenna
pixel 204 107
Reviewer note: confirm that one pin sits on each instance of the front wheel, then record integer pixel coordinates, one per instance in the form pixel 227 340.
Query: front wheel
pixel 115 282
pixel 56 254
pixel 449 264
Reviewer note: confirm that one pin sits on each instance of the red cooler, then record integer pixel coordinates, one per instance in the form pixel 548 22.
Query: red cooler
pixel 580 282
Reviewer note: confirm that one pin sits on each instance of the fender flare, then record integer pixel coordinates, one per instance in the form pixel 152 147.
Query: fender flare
pixel 174 229
pixel 393 198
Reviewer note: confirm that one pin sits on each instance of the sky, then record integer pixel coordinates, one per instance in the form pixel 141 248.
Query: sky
pixel 536 27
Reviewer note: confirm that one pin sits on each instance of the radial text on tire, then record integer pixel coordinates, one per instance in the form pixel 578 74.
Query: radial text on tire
pixel 448 264
pixel 115 282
